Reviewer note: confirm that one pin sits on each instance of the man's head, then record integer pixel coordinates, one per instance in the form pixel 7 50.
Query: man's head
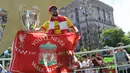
pixel 84 57
pixel 93 56
pixel 53 11
pixel 108 52
pixel 119 45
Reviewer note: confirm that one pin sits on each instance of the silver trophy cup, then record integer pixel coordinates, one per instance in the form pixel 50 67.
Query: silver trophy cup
pixel 30 18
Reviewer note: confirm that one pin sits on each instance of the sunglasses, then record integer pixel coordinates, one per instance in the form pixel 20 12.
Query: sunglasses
pixel 53 9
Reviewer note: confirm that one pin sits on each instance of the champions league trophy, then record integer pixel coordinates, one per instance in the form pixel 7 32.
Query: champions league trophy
pixel 30 18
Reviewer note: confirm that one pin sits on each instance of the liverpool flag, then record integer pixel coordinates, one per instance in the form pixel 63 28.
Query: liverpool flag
pixel 38 52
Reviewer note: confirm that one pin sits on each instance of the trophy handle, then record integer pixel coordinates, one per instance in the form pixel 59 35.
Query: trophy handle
pixel 37 11
pixel 22 6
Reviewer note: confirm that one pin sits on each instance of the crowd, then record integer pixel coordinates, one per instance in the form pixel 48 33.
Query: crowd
pixel 105 60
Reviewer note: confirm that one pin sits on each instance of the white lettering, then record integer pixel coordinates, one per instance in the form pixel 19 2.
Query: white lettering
pixel 53 68
pixel 38 68
pixel 59 41
pixel 36 41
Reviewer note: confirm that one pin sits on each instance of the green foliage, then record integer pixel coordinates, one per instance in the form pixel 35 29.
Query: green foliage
pixel 112 36
pixel 83 49
pixel 128 34
pixel 128 50
pixel 126 40
pixel 79 56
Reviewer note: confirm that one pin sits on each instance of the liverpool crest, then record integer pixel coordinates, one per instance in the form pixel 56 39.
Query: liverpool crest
pixel 47 56
pixel 21 38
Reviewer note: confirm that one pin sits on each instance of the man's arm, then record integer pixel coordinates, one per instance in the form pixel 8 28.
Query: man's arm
pixel 127 55
pixel 44 27
pixel 72 28
pixel 99 61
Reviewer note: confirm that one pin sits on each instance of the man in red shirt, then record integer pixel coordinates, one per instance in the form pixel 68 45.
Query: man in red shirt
pixel 59 24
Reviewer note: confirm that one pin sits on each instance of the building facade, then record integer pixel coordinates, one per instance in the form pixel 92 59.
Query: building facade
pixel 90 17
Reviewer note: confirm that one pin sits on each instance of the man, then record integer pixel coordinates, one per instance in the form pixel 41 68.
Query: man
pixel 122 57
pixel 75 65
pixel 57 24
pixel 87 63
pixel 97 61
pixel 7 68
pixel 108 60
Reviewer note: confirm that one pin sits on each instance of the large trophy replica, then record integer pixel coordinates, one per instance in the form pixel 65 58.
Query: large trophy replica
pixel 30 18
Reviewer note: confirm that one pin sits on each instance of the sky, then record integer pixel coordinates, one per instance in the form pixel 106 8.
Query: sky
pixel 121 13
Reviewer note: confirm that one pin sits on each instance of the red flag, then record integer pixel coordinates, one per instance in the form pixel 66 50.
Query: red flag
pixel 38 52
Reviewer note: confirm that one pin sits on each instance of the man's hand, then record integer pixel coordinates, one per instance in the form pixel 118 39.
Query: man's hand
pixel 66 53
pixel 40 30
pixel 77 31
pixel 69 53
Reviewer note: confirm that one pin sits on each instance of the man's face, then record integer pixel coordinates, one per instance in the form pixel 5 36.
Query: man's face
pixel 118 50
pixel 93 57
pixel 54 12
pixel 108 52
pixel 85 58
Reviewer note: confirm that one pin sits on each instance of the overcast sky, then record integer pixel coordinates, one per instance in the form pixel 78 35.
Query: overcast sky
pixel 121 13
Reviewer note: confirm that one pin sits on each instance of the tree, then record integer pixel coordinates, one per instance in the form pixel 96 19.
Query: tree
pixel 128 34
pixel 112 36
pixel 126 40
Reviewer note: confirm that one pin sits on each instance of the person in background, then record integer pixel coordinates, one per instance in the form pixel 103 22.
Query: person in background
pixel 122 57
pixel 6 53
pixel 7 68
pixel 75 65
pixel 87 63
pixel 97 61
pixel 108 61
